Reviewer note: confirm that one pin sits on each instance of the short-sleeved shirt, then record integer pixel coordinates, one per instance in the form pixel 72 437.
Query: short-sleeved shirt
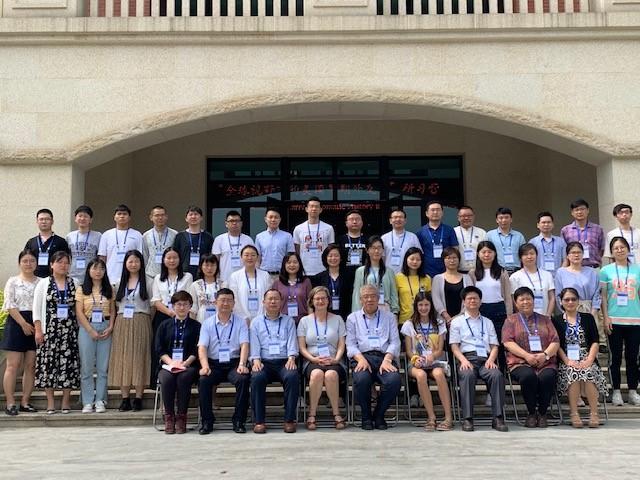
pixel 228 248
pixel 408 288
pixel 632 236
pixel 515 331
pixel 140 305
pixel 90 301
pixel 551 253
pixel 592 236
pixel 84 248
pixel 52 245
pixel 328 332
pixel 395 247
pixel 313 239
pixel 231 335
pixel 272 247
pixel 114 244
pixel 353 250
pixel 163 290
pixel 431 240
pixel 409 330
pixel 18 294
pixel 468 240
pixel 540 283
pixel 506 245
pixel 465 330
pixel 154 244
pixel 622 280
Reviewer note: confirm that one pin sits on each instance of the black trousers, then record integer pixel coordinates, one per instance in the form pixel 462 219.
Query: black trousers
pixel 221 372
pixel 275 371
pixel 177 385
pixel 537 388
pixel 363 381
pixel 629 337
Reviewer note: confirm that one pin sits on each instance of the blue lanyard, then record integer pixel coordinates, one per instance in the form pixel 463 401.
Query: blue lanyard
pixel 576 327
pixel 207 295
pixel 531 281
pixel 130 292
pixel 86 242
pixel 471 329
pixel 433 241
pixel 426 334
pixel 62 299
pixel 40 244
pixel 544 250
pixel 179 326
pixel 404 235
pixel 526 326
pixel 317 232
pixel 215 324
pixel 295 292
pixel 169 286
pixel 366 324
pixel 359 241
pixel 622 235
pixel 626 280
pixel 501 242
pixel 586 234
pixel 191 241
pixel 462 235
pixel 124 245
pixel 236 245
pixel 94 299
pixel 163 242
pixel 334 285
pixel 264 319
pixel 326 325
pixel 375 278
pixel 249 283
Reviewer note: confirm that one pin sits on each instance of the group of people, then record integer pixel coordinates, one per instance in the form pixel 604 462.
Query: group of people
pixel 181 308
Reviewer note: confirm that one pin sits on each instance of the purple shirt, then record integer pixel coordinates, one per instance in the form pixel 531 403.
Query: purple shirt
pixel 592 236
pixel 298 294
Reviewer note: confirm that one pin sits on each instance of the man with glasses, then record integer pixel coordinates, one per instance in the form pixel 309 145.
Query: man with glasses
pixel 193 242
pixel 434 237
pixel 469 236
pixel 227 246
pixel 589 234
pixel 398 240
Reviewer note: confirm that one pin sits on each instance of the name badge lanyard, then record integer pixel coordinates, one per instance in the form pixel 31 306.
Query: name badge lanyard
pixel 631 245
pixel 550 253
pixel 470 237
pixel 255 289
pixel 171 291
pixel 535 338
pixel 85 244
pixel 573 343
pixel 96 311
pixel 42 244
pixel 481 340
pixel 326 326
pixel 393 247
pixel 586 233
pixel 504 249
pixel 197 250
pixel 131 293
pixel 626 281
pixel 351 244
pixel 531 281
pixel 160 241
pixel 366 324
pixel 425 337
pixel 124 244
pixel 230 331
pixel 334 286
pixel 576 329
pixel 433 240
pixel 420 287
pixel 237 245
pixel 311 238
pixel 210 297
pixel 178 333
pixel 61 299
pixel 264 320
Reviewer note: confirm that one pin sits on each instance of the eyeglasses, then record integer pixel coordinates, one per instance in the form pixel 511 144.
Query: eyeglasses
pixel 321 299
pixel 182 304
pixel 569 299
pixel 371 296
pixel 234 221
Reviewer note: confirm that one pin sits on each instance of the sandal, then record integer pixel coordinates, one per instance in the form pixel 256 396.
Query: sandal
pixel 311 424
pixel 576 421
pixel 430 426
pixel 339 422
pixel 51 411
pixel 28 408
pixel 594 420
pixel 445 426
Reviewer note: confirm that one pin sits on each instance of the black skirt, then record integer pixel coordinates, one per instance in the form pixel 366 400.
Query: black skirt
pixel 14 339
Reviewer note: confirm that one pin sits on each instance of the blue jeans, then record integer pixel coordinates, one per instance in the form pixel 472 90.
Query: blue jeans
pixel 94 355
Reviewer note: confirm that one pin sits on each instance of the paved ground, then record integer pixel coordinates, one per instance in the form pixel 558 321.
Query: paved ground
pixel 142 453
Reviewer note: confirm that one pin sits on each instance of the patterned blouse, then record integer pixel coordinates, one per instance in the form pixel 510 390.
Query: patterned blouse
pixel 18 293
pixel 514 331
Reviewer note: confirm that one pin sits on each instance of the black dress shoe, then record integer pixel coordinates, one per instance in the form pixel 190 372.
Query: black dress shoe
pixel 137 404
pixel 381 424
pixel 205 429
pixel 367 425
pixel 499 425
pixel 239 428
pixel 467 425
pixel 125 405
pixel 28 408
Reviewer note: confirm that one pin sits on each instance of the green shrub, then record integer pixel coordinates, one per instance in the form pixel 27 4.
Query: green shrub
pixel 3 315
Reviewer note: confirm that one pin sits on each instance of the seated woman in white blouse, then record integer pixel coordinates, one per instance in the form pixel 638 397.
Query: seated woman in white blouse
pixel 249 284
pixel 321 339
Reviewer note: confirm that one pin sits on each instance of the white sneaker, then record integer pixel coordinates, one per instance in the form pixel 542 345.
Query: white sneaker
pixel 414 401
pixel 616 398
pixel 100 407
pixel 634 398
pixel 487 402
pixel 88 408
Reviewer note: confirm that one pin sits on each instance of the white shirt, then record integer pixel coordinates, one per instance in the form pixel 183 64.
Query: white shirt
pixel 242 290
pixel 539 285
pixel 204 295
pixel 153 246
pixel 18 294
pixel 114 244
pixel 490 287
pixel 395 246
pixel 313 239
pixel 163 290
pixel 228 248
pixel 468 240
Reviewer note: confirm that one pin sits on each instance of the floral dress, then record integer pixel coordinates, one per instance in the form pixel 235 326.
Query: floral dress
pixel 57 359
pixel 568 375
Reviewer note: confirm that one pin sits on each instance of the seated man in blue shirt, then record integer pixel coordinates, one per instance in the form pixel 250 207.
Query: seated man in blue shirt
pixel 223 350
pixel 373 344
pixel 274 348
pixel 474 343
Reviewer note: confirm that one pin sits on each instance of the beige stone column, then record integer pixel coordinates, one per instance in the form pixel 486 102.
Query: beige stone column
pixel 27 188
pixel 618 182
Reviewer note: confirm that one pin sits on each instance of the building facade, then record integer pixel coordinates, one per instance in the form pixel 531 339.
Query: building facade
pixel 361 102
